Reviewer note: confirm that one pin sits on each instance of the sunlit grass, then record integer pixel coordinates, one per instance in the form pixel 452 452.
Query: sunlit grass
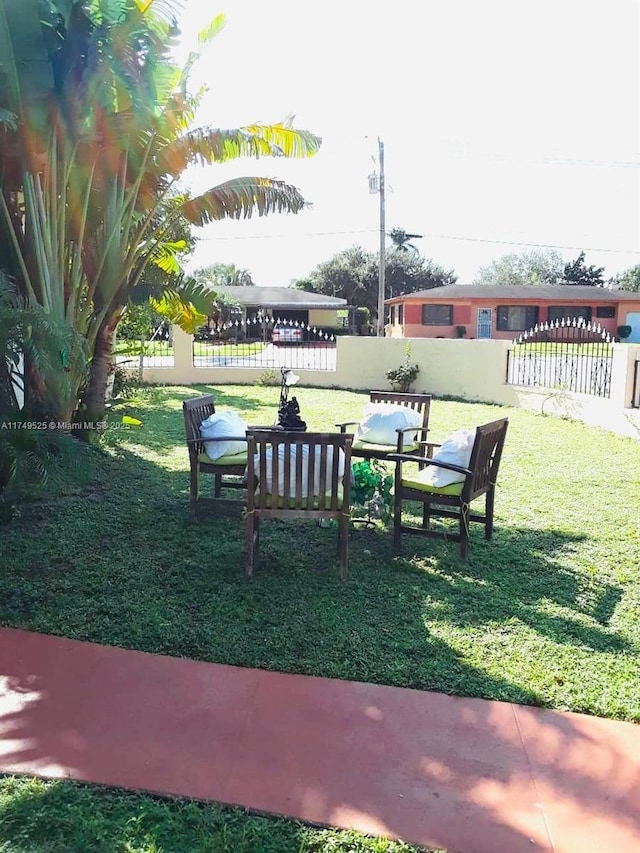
pixel 546 614
pixel 66 817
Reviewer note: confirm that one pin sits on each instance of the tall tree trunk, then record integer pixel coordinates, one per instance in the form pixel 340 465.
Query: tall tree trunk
pixel 93 404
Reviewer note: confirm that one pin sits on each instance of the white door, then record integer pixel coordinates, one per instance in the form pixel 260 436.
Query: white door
pixel 633 320
pixel 484 322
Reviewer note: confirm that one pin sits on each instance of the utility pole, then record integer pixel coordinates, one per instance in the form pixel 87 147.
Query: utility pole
pixel 381 273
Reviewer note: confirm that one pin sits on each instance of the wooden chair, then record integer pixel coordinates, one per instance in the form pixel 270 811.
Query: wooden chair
pixel 419 402
pixel 451 501
pixel 288 485
pixel 195 411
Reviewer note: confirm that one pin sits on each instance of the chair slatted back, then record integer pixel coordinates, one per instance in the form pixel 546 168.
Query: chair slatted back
pixel 420 402
pixel 272 453
pixel 485 458
pixel 195 411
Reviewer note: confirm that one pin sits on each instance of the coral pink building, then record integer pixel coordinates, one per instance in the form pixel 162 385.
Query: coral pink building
pixel 504 311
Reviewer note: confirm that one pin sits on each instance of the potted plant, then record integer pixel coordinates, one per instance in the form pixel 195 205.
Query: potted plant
pixel 371 491
pixel 623 332
pixel 461 331
pixel 403 377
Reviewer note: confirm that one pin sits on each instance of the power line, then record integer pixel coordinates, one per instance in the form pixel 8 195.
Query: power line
pixel 535 245
pixel 539 161
pixel 428 236
pixel 450 148
pixel 291 235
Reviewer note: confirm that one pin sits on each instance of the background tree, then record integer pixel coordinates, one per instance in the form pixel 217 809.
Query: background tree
pixel 578 273
pixel 89 196
pixel 532 267
pixel 629 279
pixel 353 275
pixel 220 275
pixel 402 241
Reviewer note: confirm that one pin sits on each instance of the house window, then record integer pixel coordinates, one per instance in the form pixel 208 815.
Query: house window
pixel 342 318
pixel 400 314
pixel 568 312
pixel 437 315
pixel 606 311
pixel 516 318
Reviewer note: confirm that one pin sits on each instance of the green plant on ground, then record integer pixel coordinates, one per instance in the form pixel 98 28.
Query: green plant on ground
pixel 32 453
pixel 32 460
pixel 403 377
pixel 268 379
pixel 560 397
pixel 124 383
pixel 461 331
pixel 623 332
pixel 370 476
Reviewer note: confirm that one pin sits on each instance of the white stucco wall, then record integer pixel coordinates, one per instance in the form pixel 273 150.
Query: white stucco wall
pixel 469 369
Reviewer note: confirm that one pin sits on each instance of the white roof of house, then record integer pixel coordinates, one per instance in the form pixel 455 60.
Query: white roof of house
pixel 279 297
pixel 558 293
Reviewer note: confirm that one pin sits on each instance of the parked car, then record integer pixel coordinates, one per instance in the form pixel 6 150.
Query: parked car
pixel 287 335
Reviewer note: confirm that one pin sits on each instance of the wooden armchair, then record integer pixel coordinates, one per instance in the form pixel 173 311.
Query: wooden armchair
pixel 297 475
pixel 452 501
pixel 195 411
pixel 419 402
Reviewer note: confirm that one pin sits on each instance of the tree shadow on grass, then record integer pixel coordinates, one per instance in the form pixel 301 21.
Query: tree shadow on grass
pixel 513 577
pixel 122 564
pixel 160 410
pixel 428 768
pixel 71 817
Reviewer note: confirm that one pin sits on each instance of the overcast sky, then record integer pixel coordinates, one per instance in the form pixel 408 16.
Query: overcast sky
pixel 504 124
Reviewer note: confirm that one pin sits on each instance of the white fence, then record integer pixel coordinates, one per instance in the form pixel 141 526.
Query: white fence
pixel 469 369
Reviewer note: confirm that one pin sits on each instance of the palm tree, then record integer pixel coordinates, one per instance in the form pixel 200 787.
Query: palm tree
pixel 91 193
pixel 28 457
pixel 401 240
pixel 226 275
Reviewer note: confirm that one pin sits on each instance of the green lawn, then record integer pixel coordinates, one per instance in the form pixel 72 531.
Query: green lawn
pixel 547 614
pixel 65 817
pixel 202 348
pixel 150 348
pixel 587 348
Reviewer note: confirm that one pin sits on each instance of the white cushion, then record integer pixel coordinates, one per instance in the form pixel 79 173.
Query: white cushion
pixel 381 420
pixel 456 450
pixel 305 469
pixel 221 425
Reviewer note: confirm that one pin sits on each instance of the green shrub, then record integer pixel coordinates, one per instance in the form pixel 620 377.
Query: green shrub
pixel 623 332
pixel 31 459
pixel 369 476
pixel 403 377
pixel 268 378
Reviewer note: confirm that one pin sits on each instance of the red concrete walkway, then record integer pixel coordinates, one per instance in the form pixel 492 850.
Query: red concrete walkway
pixel 464 774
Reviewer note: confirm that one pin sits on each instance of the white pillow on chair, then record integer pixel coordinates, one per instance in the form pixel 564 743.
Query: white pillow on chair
pixel 381 420
pixel 456 450
pixel 221 425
